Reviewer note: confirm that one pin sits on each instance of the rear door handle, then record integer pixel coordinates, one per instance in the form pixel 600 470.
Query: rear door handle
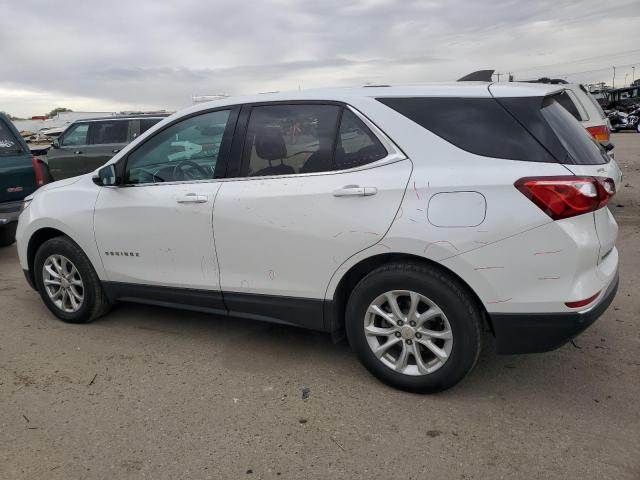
pixel 77 152
pixel 115 150
pixel 355 191
pixel 192 198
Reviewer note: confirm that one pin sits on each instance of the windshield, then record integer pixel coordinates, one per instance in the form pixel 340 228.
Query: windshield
pixel 580 146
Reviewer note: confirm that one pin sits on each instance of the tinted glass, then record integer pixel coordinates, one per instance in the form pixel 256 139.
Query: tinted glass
pixel 8 143
pixel 114 131
pixel 582 148
pixel 77 135
pixel 478 125
pixel 568 103
pixel 290 139
pixel 187 150
pixel 356 144
pixel 147 123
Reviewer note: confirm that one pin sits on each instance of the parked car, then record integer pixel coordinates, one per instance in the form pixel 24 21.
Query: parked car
pixel 410 217
pixel 88 144
pixel 584 107
pixel 20 175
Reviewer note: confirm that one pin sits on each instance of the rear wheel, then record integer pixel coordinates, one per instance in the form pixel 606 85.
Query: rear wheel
pixel 8 234
pixel 414 327
pixel 67 282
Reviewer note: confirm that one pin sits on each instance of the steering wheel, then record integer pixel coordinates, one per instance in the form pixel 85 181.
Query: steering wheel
pixel 180 174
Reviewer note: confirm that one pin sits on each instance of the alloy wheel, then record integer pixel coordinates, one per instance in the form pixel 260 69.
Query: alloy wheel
pixel 63 283
pixel 408 332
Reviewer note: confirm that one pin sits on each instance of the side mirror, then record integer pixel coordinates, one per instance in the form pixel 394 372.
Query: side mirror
pixel 608 146
pixel 55 143
pixel 106 176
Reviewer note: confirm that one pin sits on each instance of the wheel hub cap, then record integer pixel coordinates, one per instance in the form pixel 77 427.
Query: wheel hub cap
pixel 408 332
pixel 63 283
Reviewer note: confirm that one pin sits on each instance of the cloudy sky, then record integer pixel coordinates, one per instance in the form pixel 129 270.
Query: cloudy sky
pixel 142 54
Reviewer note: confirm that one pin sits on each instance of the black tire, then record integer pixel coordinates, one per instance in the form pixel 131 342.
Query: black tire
pixel 94 304
pixel 450 296
pixel 8 234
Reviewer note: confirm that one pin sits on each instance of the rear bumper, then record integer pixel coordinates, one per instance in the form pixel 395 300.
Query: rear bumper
pixel 9 212
pixel 542 332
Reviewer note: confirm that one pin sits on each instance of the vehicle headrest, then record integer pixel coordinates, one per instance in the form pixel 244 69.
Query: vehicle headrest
pixel 270 143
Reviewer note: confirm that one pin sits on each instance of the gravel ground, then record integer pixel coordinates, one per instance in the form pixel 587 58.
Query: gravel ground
pixel 157 393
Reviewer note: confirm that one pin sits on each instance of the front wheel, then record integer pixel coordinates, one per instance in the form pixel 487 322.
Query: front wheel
pixel 414 327
pixel 67 282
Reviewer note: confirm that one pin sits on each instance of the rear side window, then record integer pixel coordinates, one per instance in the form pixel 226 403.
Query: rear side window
pixel 594 102
pixel 290 139
pixel 581 147
pixel 114 131
pixel 147 123
pixel 8 143
pixel 478 125
pixel 356 144
pixel 570 103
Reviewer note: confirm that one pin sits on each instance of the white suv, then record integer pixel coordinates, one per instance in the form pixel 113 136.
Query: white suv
pixel 407 217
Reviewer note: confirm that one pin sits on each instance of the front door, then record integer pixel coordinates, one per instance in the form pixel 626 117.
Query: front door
pixel 65 160
pixel 306 200
pixel 156 228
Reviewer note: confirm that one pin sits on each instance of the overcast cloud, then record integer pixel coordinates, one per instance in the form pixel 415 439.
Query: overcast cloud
pixel 113 55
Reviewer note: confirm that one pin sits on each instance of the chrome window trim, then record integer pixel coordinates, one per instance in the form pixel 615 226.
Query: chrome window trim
pixel 394 154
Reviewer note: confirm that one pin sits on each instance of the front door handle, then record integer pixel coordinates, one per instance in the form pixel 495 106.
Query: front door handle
pixel 77 152
pixel 192 198
pixel 115 150
pixel 355 191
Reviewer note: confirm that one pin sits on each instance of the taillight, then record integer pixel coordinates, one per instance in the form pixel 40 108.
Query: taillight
pixel 599 132
pixel 37 168
pixel 567 196
pixel 582 303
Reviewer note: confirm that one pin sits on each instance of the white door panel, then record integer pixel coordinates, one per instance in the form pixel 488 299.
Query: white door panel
pixel 288 235
pixel 168 230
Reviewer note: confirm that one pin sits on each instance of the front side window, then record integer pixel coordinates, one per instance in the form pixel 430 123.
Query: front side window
pixel 187 150
pixel 356 144
pixel 290 139
pixel 112 131
pixel 77 135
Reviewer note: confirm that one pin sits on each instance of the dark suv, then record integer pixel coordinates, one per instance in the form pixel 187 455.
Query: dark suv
pixel 87 144
pixel 20 175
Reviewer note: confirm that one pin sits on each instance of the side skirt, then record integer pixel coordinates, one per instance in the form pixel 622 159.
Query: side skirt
pixel 299 312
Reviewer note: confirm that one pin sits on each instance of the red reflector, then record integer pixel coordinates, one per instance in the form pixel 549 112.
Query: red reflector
pixel 37 168
pixel 567 195
pixel 599 132
pixel 582 303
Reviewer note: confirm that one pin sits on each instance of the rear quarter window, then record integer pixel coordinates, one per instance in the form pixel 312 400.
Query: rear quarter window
pixel 8 143
pixel 580 146
pixel 478 125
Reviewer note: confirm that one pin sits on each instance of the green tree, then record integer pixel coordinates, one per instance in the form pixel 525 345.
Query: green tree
pixel 55 111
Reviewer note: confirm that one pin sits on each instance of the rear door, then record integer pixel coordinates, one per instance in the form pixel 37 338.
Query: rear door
pixel 314 187
pixel 17 178
pixel 106 138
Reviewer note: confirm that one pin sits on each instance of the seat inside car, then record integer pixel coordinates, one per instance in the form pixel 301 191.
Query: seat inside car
pixel 270 146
